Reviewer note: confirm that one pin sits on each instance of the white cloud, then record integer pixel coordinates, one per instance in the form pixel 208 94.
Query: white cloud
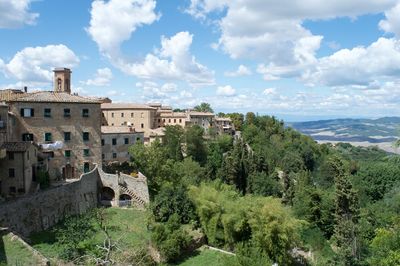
pixel 358 66
pixel 35 64
pixel 226 91
pixel 152 90
pixel 274 34
pixel 114 21
pixel 102 77
pixel 15 13
pixel 241 71
pixel 270 91
pixel 392 21
pixel 172 62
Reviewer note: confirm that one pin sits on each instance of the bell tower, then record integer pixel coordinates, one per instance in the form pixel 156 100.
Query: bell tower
pixel 62 80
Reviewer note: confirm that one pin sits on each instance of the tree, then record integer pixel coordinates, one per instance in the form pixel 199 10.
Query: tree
pixel 73 235
pixel 237 120
pixel 195 146
pixel 173 142
pixel 204 107
pixel 250 118
pixel 235 166
pixel 385 247
pixel 172 200
pixel 346 214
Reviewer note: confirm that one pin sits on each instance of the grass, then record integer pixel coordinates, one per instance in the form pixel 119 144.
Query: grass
pixel 126 226
pixel 207 257
pixel 12 252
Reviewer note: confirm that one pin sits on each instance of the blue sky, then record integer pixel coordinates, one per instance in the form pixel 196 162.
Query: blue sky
pixel 298 60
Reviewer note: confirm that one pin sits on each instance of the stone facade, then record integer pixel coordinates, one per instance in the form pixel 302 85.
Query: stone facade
pixel 202 119
pixel 116 141
pixel 18 169
pixel 139 116
pixel 67 160
pixel 224 125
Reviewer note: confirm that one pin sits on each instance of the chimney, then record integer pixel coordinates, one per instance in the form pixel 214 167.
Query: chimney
pixel 25 89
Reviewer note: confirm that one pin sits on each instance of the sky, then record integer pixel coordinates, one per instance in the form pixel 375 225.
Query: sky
pixel 295 59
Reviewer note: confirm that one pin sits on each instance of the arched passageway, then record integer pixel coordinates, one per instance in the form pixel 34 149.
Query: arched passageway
pixel 125 197
pixel 107 193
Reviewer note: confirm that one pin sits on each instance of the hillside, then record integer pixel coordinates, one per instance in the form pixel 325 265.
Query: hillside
pixel 381 132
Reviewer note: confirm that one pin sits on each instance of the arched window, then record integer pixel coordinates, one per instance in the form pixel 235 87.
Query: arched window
pixel 59 84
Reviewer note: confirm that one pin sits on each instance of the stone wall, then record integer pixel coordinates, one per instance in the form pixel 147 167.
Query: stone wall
pixel 40 211
pixel 136 184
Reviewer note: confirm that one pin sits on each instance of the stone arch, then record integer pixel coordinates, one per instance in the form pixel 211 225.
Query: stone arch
pixel 125 197
pixel 107 193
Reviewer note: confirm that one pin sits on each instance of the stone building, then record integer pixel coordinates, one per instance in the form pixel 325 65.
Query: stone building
pixel 115 142
pixel 224 125
pixel 139 116
pixel 203 119
pixel 66 126
pixel 18 169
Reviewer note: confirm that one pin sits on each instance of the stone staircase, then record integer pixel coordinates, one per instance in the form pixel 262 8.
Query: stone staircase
pixel 139 202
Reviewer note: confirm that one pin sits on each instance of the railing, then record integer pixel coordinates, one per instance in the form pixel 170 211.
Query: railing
pixel 125 203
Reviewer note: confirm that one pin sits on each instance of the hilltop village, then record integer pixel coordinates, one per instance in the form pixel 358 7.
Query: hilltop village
pixel 60 135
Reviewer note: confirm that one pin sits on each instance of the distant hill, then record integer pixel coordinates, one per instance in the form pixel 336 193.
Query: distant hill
pixel 363 132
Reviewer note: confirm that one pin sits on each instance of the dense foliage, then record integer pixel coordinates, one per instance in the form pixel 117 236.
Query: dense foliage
pixel 274 192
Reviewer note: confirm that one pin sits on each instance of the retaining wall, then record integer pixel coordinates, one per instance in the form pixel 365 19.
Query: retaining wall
pixel 37 212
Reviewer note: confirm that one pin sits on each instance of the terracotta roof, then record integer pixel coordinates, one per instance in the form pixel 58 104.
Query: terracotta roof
pixel 126 106
pixel 200 113
pixel 44 96
pixel 157 132
pixel 173 114
pixel 20 146
pixel 118 130
pixel 223 119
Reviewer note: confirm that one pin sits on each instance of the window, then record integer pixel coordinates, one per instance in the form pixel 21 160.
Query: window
pixel 11 172
pixel 47 112
pixel 86 167
pixel 85 136
pixel 174 120
pixel 10 155
pixel 103 156
pixel 159 120
pixel 47 136
pixel 67 112
pixel 114 155
pixel 131 114
pixel 67 153
pixel 85 112
pixel 27 112
pixel 67 136
pixel 142 125
pixel 180 120
pixel 138 139
pixel 114 141
pixel 122 114
pixel 102 142
pixel 112 114
pixel 12 190
pixel 86 152
pixel 126 141
pixel 27 155
pixel 169 120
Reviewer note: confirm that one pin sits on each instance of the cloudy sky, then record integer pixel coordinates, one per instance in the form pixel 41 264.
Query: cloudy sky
pixel 297 59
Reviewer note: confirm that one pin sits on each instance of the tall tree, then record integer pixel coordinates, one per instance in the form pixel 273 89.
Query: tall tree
pixel 203 107
pixel 173 142
pixel 195 145
pixel 346 214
